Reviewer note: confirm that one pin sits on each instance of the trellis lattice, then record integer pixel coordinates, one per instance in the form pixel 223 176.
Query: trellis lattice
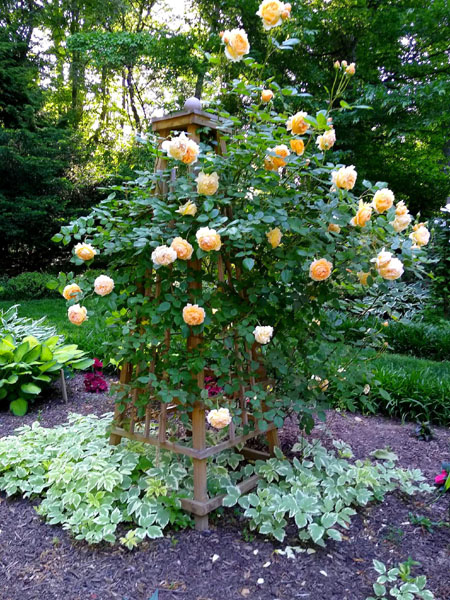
pixel 152 426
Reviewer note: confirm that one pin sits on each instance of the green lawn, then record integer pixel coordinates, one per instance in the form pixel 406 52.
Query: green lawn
pixel 55 309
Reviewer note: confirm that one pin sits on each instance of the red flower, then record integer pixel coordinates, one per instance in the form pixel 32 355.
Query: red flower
pixel 441 479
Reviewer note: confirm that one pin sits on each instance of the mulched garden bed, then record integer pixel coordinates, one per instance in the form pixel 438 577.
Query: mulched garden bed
pixel 42 562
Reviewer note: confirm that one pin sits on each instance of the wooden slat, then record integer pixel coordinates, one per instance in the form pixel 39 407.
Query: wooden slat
pixel 239 439
pixel 154 441
pixel 203 508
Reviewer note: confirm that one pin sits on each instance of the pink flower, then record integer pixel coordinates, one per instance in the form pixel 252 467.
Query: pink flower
pixel 441 479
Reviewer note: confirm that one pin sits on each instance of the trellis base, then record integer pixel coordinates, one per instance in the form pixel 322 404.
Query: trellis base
pixel 201 505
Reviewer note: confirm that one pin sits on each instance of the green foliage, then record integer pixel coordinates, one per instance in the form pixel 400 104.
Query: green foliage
pixel 21 327
pixel 92 488
pixel 26 286
pixel 412 389
pixel 91 340
pixel 399 583
pixel 26 367
pixel 441 255
pixel 318 492
pixel 420 339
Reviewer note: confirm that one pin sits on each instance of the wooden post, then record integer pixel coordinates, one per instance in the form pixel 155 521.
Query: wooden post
pixel 198 418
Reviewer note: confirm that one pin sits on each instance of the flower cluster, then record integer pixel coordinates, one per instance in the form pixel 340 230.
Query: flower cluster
pixel 95 382
pixel 182 148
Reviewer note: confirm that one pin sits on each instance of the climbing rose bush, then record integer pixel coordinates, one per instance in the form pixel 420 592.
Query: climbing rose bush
pixel 254 251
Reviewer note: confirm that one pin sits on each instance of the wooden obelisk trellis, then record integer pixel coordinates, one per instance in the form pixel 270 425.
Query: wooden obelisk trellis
pixel 127 424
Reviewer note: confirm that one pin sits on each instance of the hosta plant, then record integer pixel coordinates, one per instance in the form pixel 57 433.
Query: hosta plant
pixel 320 492
pixel 26 367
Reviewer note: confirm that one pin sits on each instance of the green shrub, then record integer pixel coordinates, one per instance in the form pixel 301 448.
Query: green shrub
pixel 409 388
pixel 420 339
pixel 27 367
pixel 319 491
pixel 26 286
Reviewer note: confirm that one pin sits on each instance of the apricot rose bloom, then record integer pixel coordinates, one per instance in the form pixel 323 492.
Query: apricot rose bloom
pixel 190 208
pixel 388 266
pixel 401 222
pixel 297 124
pixel 163 255
pixel 297 146
pixel 274 237
pixel 77 314
pixel 219 418
pixel 320 269
pixel 208 239
pixel 362 216
pixel 350 70
pixel 193 314
pixel 326 140
pixel 266 96
pixel 85 251
pixel 207 184
pixel 272 13
pixel 263 334
pixel 420 235
pixel 345 178
pixel 103 285
pixel 393 270
pixel 182 148
pixel 236 44
pixel 183 248
pixel 383 200
pixel 334 227
pixel 272 163
pixel 71 290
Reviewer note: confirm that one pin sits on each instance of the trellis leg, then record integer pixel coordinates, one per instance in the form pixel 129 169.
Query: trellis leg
pixel 198 420
pixel 125 377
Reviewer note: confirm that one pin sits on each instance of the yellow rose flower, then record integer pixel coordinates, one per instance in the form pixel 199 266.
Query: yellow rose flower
pixel 266 96
pixel 350 70
pixel 219 418
pixel 272 12
pixel 393 270
pixel 401 222
pixel 274 237
pixel 193 314
pixel 401 209
pixel 297 146
pixel 297 124
pixel 362 216
pixel 345 178
pixel 236 44
pixel 363 277
pixel 77 314
pixel 103 285
pixel 334 227
pixel 326 140
pixel 183 248
pixel 71 290
pixel 320 269
pixel 272 163
pixel 383 200
pixel 337 64
pixel 344 64
pixel 207 184
pixel 85 251
pixel 182 148
pixel 190 208
pixel 420 235
pixel 208 239
pixel 322 384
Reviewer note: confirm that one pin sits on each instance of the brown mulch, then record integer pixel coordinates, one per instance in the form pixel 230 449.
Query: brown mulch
pixel 42 562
